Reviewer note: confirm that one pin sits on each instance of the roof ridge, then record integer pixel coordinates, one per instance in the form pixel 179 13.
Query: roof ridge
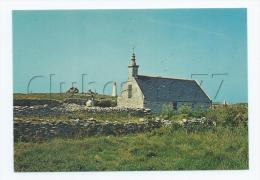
pixel 160 77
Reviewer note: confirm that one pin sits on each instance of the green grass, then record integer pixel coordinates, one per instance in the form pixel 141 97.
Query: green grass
pixel 224 147
pixel 160 149
pixel 58 96
pixel 121 117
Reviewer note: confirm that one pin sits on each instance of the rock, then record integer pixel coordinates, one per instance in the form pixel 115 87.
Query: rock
pixel 75 120
pixel 197 123
pixel 166 122
pixel 90 103
pixel 141 119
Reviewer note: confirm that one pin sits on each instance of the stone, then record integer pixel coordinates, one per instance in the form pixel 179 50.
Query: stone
pixel 90 103
pixel 141 119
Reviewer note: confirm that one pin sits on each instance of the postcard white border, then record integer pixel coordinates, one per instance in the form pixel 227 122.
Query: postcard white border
pixel 6 138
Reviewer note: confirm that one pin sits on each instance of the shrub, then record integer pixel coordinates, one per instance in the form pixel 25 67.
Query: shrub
pixel 192 112
pixel 167 111
pixel 229 115
pixel 235 115
pixel 185 109
pixel 105 103
pixel 199 112
pixel 179 117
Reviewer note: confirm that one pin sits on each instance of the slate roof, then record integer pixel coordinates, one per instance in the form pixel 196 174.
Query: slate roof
pixel 169 89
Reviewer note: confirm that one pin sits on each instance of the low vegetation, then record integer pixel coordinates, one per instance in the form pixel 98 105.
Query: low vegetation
pixel 102 100
pixel 58 96
pixel 235 115
pixel 222 146
pixel 160 149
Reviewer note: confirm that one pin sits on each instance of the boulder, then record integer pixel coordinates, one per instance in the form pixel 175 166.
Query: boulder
pixel 90 103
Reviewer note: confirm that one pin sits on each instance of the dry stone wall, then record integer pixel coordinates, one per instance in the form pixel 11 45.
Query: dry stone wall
pixel 40 131
pixel 43 110
pixel 75 101
pixel 75 128
pixel 35 102
pixel 35 131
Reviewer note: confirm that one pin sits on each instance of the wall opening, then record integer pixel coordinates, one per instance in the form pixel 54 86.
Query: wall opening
pixel 174 105
pixel 129 90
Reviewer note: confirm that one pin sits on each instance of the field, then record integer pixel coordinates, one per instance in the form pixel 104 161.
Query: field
pixel 58 96
pixel 223 146
pixel 159 150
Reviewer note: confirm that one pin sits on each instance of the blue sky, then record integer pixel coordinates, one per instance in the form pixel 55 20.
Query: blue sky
pixel 168 42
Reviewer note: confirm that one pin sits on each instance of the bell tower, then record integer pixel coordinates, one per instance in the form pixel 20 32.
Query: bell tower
pixel 133 68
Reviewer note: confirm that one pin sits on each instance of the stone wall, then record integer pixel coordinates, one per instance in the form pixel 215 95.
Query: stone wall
pixel 42 110
pixel 156 106
pixel 41 131
pixel 34 102
pixel 37 131
pixel 75 101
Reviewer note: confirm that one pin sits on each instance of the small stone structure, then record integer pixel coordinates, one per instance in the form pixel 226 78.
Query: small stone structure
pixel 154 92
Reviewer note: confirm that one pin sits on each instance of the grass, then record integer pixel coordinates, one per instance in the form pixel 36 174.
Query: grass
pixel 222 148
pixel 160 149
pixel 58 96
pixel 121 116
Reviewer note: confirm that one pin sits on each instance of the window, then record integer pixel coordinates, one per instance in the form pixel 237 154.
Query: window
pixel 129 90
